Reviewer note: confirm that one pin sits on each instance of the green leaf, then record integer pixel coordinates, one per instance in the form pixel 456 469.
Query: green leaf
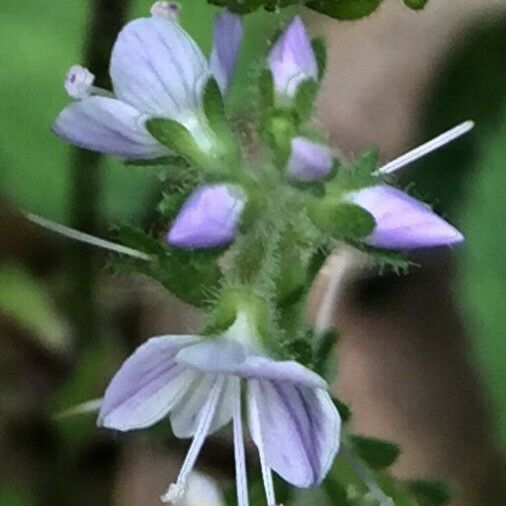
pixel 336 492
pixel 377 453
pixel 344 9
pixel 429 492
pixel 344 409
pixel 305 98
pixel 320 50
pixel 326 343
pixel 191 275
pixel 266 90
pixel 177 138
pixel 341 219
pixel 239 6
pixel 24 300
pixel 415 4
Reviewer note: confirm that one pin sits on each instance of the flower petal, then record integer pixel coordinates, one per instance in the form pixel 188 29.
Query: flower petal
pixel 209 217
pixel 403 222
pixel 297 427
pixel 292 59
pixel 225 356
pixel 184 417
pixel 309 161
pixel 148 384
pixel 108 126
pixel 226 44
pixel 157 68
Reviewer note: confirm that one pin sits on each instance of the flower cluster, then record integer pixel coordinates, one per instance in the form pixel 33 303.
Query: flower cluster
pixel 278 220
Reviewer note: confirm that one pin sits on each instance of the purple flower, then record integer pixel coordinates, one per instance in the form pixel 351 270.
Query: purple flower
pixel 292 59
pixel 196 381
pixel 157 70
pixel 209 217
pixel 227 40
pixel 403 222
pixel 309 161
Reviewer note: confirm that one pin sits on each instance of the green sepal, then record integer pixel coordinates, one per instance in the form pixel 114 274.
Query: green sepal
pixel 300 351
pixel 415 4
pixel 191 275
pixel 336 492
pixel 177 138
pixel 344 9
pixel 266 90
pixel 343 409
pixel 341 219
pixel 378 454
pixel 429 492
pixel 305 98
pixel 231 300
pixel 323 350
pixel 214 109
pixel 279 128
pixel 320 51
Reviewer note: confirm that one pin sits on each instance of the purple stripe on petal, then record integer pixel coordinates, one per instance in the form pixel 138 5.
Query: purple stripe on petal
pixel 292 59
pixel 298 428
pixel 403 222
pixel 226 44
pixel 148 385
pixel 108 126
pixel 157 67
pixel 209 217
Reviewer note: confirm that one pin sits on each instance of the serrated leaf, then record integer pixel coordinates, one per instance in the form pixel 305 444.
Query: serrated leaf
pixel 378 453
pixel 177 138
pixel 415 4
pixel 320 50
pixel 345 9
pixel 429 492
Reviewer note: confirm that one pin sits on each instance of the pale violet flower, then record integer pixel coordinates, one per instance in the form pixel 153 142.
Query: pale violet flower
pixel 292 59
pixel 197 383
pixel 157 70
pixel 209 217
pixel 402 222
pixel 308 161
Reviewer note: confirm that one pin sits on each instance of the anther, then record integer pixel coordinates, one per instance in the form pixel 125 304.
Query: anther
pixel 168 10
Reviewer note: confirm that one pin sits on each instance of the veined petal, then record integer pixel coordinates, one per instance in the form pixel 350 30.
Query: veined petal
pixel 225 356
pixel 148 385
pixel 213 356
pixel 403 222
pixel 108 126
pixel 157 68
pixel 297 427
pixel 309 161
pixel 292 59
pixel 226 44
pixel 208 218
pixel 184 417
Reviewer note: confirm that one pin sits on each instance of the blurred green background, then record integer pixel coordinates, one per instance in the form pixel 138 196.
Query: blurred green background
pixel 40 40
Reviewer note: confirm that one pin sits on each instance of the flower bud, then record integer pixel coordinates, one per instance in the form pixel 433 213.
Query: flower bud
pixel 169 10
pixel 309 161
pixel 292 59
pixel 209 218
pixel 79 82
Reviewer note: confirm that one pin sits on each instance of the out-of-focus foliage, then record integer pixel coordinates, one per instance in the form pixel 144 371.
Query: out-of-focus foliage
pixel 484 265
pixel 26 302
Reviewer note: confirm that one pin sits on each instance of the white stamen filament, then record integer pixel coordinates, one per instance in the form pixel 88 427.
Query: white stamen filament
pixel 365 476
pixel 239 454
pixel 176 491
pixel 428 147
pixel 86 238
pixel 266 470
